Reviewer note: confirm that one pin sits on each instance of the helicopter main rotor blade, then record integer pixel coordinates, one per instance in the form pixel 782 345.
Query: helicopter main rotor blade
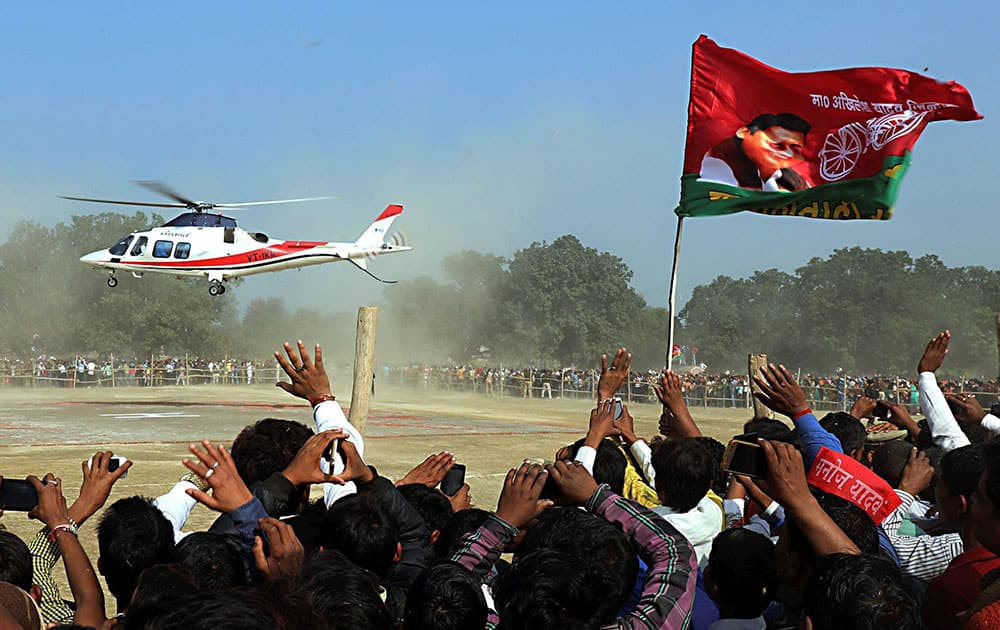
pixel 167 191
pixel 128 203
pixel 264 203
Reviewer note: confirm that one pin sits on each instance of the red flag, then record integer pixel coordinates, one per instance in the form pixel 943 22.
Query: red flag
pixel 832 144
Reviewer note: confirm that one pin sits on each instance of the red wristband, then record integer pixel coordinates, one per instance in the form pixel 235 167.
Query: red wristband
pixel 320 399
pixel 805 411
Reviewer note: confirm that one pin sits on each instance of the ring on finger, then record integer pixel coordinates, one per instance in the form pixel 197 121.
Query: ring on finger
pixel 211 471
pixel 300 368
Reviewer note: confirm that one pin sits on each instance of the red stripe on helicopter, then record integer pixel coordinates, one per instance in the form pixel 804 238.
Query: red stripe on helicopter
pixel 278 250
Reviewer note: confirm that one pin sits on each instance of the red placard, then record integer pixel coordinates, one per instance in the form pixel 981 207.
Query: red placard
pixel 848 478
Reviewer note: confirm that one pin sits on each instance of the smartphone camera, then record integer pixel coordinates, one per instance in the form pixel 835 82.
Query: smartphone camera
pixel 453 480
pixel 618 408
pixel 744 456
pixel 116 462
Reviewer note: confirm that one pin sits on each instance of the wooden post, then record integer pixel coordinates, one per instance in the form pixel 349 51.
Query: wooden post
pixel 998 345
pixel 112 370
pixel 755 362
pixel 364 358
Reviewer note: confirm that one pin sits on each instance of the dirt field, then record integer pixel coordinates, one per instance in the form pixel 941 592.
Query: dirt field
pixel 54 430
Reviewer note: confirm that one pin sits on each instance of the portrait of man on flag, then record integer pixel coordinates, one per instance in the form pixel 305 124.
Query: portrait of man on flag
pixel 761 155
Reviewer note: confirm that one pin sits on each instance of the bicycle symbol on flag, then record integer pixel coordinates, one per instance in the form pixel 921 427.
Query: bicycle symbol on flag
pixel 843 147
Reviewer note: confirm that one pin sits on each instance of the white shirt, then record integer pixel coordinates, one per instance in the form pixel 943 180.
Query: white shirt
pixel 715 170
pixel 940 420
pixel 699 525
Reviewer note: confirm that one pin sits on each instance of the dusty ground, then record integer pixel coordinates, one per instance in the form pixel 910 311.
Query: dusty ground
pixel 54 430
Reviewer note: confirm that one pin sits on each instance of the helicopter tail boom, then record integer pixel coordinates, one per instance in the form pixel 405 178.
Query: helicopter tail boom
pixel 374 236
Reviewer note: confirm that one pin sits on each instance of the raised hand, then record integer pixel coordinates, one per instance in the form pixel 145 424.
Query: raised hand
pixel 431 471
pixel 575 484
pixel 786 476
pixel 519 502
pixel 899 416
pixel 462 499
pixel 602 423
pixel 917 474
pixel 355 468
pixel 863 407
pixel 670 390
pixel 286 552
pixel 51 508
pixel 215 465
pixel 966 408
pixel 96 487
pixel 612 378
pixel 309 380
pixel 676 417
pixel 779 391
pixel 934 353
pixel 625 425
pixel 305 468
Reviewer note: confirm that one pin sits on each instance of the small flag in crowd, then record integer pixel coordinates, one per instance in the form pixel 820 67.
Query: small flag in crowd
pixel 828 145
pixel 676 351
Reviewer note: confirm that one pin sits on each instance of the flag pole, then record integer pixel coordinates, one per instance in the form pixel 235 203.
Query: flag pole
pixel 673 294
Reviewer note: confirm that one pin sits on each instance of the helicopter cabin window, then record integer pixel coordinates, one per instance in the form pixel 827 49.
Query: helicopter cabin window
pixel 140 247
pixel 119 248
pixel 162 249
pixel 182 251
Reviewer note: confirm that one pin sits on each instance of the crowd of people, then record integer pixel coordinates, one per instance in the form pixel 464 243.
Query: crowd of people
pixel 862 519
pixel 701 389
pixel 111 371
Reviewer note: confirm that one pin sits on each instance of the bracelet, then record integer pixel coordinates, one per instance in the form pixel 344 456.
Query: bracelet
pixel 805 411
pixel 321 399
pixel 65 527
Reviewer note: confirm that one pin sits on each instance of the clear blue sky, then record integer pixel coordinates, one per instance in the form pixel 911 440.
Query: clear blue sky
pixel 496 124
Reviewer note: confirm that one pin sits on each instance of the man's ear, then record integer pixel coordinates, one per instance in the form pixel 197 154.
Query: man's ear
pixel 805 623
pixel 964 505
pixel 435 536
pixel 36 593
pixel 743 132
pixel 399 552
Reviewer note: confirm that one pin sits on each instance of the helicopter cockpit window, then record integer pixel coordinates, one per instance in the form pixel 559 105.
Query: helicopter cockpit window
pixel 140 247
pixel 200 219
pixel 182 251
pixel 162 249
pixel 119 248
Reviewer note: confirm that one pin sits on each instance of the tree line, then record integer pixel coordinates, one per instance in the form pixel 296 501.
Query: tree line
pixel 553 303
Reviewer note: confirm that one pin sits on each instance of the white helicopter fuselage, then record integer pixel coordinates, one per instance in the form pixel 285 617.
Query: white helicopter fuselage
pixel 212 246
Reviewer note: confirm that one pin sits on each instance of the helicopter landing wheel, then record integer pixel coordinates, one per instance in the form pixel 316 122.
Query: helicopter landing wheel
pixel 216 288
pixel 112 281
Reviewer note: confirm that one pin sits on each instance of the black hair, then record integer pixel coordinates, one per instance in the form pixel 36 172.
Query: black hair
pixel 991 453
pixel 851 519
pixel 961 469
pixel 132 536
pixel 15 561
pixel 265 607
pixel 162 583
pixel 862 592
pixel 357 526
pixel 343 594
pixel 790 122
pixel 848 429
pixel 609 464
pixel 433 506
pixel 743 568
pixel 684 472
pixel 591 540
pixel 267 447
pixel 460 524
pixel 720 478
pixel 890 459
pixel 549 589
pixel 446 596
pixel 773 430
pixel 216 560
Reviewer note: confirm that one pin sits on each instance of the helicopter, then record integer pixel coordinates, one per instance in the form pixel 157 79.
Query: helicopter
pixel 199 243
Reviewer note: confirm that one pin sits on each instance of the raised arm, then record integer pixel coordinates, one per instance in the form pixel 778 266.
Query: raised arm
pixel 52 511
pixel 670 391
pixel 944 428
pixel 780 392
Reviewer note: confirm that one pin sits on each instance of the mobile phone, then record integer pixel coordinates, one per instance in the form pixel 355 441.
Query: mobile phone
pixel 453 480
pixel 744 456
pixel 18 495
pixel 618 408
pixel 114 463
